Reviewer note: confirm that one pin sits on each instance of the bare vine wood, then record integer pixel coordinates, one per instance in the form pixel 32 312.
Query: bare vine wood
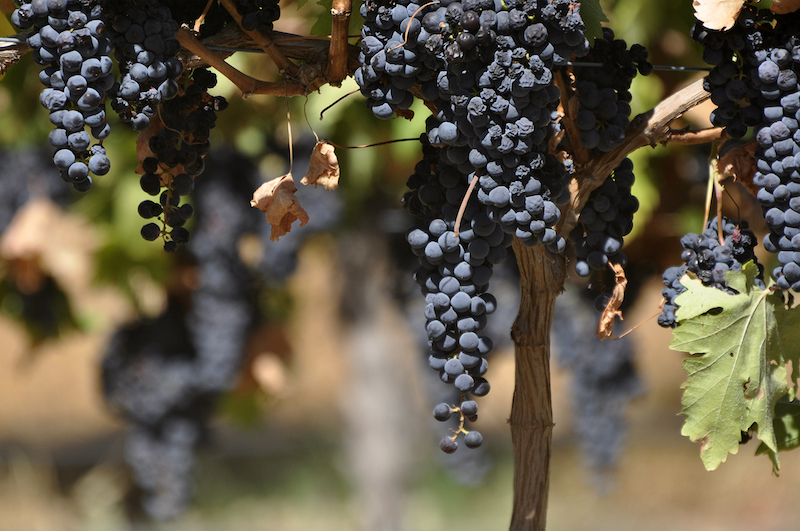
pixel 11 53
pixel 542 278
pixel 340 24
pixel 263 41
pixel 243 82
pixel 647 129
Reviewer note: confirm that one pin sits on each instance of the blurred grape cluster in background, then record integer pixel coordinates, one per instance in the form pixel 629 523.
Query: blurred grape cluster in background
pixel 245 384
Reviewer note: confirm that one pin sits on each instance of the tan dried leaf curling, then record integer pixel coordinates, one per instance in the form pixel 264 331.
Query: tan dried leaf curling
pixel 324 167
pixel 781 7
pixel 739 163
pixel 612 308
pixel 717 14
pixel 277 200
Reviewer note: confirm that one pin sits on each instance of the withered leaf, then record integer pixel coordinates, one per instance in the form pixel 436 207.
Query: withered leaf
pixel 408 114
pixel 277 200
pixel 717 14
pixel 739 163
pixel 612 308
pixel 782 7
pixel 324 167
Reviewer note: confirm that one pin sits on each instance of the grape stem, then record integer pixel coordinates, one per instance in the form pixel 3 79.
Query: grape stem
pixel 464 202
pixel 634 327
pixel 202 17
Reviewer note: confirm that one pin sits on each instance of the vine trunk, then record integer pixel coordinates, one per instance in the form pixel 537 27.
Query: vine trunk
pixel 541 280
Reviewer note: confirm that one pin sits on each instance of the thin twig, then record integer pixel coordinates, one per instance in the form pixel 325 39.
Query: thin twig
pixel 202 17
pixel 709 192
pixel 335 102
pixel 638 325
pixel 262 41
pixel 375 144
pixel 464 202
pixel 243 82
pixel 408 27
pixel 703 136
pixel 308 123
pixel 289 127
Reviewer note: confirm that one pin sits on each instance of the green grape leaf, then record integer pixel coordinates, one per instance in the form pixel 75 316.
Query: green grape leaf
pixel 787 431
pixel 592 15
pixel 741 344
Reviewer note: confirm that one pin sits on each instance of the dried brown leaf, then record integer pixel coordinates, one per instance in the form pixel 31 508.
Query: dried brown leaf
pixel 408 114
pixel 717 14
pixel 612 308
pixel 277 200
pixel 739 164
pixel 781 7
pixel 324 167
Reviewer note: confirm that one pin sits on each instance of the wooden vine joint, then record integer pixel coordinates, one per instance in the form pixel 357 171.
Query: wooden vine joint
pixel 285 66
pixel 339 50
pixel 647 129
pixel 243 82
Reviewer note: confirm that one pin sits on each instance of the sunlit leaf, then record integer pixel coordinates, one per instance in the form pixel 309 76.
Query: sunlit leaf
pixel 717 14
pixel 741 344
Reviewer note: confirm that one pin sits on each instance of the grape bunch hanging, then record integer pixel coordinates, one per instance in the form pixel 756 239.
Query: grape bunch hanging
pixel 488 174
pixel 754 86
pixel 77 43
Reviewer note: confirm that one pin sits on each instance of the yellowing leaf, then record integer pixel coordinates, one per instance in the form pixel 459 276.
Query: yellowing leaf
pixel 277 200
pixel 717 14
pixel 742 344
pixel 323 168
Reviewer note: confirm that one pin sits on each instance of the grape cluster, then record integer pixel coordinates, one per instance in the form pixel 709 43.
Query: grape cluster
pixel 488 70
pixel 178 149
pixel 149 378
pixel 454 276
pixel 603 93
pixel 761 54
pixel 258 15
pixel 605 220
pixel 164 375
pixel 143 35
pixel 731 53
pixel 604 378
pixel 70 42
pixel 706 257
